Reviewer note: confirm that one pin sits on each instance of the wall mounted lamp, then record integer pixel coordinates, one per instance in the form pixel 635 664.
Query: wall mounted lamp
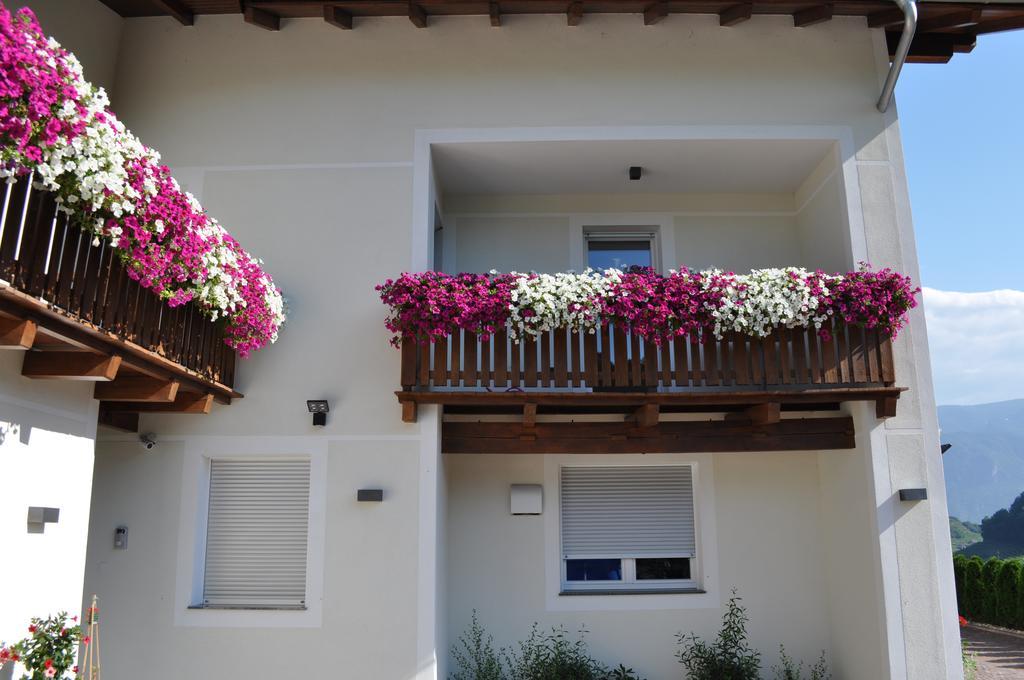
pixel 635 172
pixel 319 409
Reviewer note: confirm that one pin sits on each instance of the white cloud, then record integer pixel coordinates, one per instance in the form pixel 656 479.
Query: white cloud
pixel 977 345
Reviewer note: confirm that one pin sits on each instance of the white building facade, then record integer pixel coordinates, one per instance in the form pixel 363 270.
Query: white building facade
pixel 345 157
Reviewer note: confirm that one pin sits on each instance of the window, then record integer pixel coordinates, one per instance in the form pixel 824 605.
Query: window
pixel 257 534
pixel 619 250
pixel 627 528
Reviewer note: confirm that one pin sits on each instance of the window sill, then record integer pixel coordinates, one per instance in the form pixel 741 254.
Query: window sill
pixel 634 591
pixel 247 608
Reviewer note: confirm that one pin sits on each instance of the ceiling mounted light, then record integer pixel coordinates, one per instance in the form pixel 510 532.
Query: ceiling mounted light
pixel 319 409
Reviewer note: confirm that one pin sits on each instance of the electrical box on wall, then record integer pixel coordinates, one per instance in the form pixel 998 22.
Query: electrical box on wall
pixel 526 499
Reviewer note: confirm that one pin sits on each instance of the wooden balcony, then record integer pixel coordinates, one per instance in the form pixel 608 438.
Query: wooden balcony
pixel 73 305
pixel 753 380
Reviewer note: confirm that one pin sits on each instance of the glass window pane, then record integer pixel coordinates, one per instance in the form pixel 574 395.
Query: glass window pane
pixel 618 254
pixel 662 568
pixel 593 570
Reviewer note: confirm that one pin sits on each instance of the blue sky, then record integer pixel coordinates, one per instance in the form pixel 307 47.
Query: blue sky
pixel 962 125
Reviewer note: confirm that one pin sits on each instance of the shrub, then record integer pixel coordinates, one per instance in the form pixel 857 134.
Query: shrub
pixel 1008 593
pixel 50 650
pixel 729 657
pixel 973 589
pixel 989 575
pixel 475 656
pixel 553 656
pixel 959 567
pixel 787 670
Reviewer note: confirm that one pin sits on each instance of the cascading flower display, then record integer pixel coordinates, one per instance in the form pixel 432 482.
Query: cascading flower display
pixel 57 127
pixel 431 305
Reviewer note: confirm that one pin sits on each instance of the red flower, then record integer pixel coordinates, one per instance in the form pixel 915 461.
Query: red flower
pixel 963 622
pixel 48 663
pixel 31 629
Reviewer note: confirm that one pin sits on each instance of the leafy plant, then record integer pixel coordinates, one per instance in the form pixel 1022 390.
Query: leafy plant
pixel 622 673
pixel 475 656
pixel 729 656
pixel 970 661
pixel 787 670
pixel 553 656
pixel 50 650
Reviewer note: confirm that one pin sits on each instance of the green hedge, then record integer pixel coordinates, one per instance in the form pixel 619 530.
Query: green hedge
pixel 991 591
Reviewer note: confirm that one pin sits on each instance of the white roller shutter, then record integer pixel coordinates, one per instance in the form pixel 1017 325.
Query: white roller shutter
pixel 256 535
pixel 627 511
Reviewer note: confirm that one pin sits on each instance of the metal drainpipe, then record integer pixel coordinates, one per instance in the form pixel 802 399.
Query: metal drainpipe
pixel 909 8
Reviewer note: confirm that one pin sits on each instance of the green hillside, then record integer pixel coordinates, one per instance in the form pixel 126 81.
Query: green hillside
pixel 1002 533
pixel 963 534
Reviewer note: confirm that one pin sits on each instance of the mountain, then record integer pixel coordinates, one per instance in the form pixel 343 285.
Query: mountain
pixel 963 534
pixel 985 468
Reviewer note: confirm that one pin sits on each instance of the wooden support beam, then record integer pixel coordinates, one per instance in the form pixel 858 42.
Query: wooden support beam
pixel 137 388
pixel 177 10
pixel 887 17
pixel 1004 24
pixel 495 11
pixel 529 415
pixel 126 422
pixel 646 416
pixel 812 15
pixel 262 18
pixel 185 402
pixel 730 16
pixel 70 366
pixel 417 16
pixel 574 14
pixel 933 48
pixel 17 333
pixel 337 17
pixel 655 13
pixel 885 408
pixel 967 17
pixel 810 434
pixel 759 414
pixel 409 411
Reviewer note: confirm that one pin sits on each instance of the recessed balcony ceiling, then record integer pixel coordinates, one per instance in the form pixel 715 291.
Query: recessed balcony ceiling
pixel 589 167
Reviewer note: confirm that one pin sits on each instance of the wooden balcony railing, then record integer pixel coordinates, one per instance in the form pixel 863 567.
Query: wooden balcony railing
pixel 612 360
pixel 50 259
pixel 611 367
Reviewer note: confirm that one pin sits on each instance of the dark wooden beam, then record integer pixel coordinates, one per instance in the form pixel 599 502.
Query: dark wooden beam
pixel 177 10
pixel 126 422
pixel 887 17
pixel 646 416
pixel 409 410
pixel 185 402
pixel 1004 24
pixel 495 11
pixel 17 333
pixel 885 408
pixel 137 388
pixel 812 15
pixel 337 17
pixel 933 48
pixel 655 13
pixel 417 16
pixel 574 14
pixel 957 19
pixel 811 434
pixel 759 414
pixel 262 18
pixel 730 16
pixel 529 415
pixel 70 366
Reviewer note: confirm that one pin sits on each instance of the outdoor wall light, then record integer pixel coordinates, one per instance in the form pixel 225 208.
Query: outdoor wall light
pixel 913 494
pixel 635 172
pixel 319 409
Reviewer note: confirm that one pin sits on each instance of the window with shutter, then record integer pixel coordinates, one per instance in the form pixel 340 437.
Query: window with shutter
pixel 257 534
pixel 627 527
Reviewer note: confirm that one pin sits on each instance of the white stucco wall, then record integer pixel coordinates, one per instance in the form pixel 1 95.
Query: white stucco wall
pixel 47 433
pixel 303 143
pixel 767 529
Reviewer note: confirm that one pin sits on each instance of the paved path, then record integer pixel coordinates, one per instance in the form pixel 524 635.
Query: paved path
pixel 1000 656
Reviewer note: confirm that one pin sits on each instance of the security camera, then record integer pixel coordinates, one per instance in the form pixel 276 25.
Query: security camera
pixel 148 440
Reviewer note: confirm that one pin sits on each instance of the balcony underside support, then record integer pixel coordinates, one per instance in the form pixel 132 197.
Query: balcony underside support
pixel 713 436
